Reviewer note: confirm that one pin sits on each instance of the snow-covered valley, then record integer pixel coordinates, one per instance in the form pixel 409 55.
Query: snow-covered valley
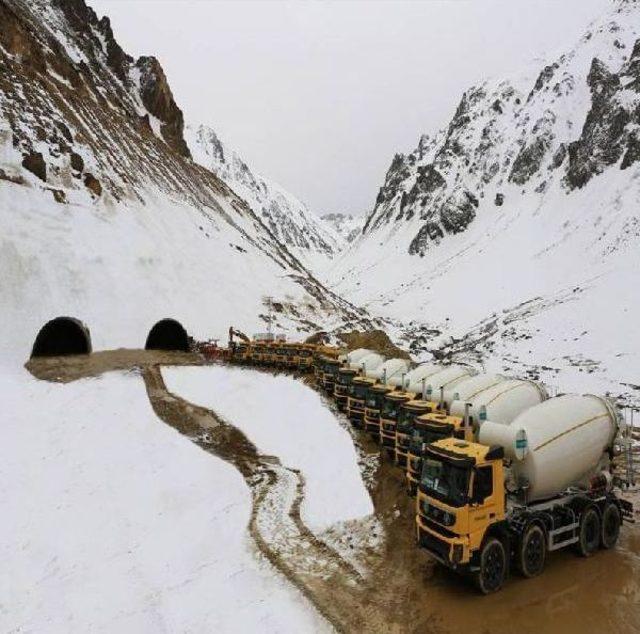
pixel 145 492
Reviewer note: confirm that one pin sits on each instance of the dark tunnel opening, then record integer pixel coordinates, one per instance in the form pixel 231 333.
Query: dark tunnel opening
pixel 62 336
pixel 168 334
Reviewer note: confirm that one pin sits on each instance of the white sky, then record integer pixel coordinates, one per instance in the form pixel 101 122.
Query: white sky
pixel 320 95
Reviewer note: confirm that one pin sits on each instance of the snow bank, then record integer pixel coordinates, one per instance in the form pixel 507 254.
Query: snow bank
pixel 112 521
pixel 285 418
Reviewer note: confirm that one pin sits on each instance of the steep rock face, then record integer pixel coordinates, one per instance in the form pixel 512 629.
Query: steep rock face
pixel 512 137
pixel 104 215
pixel 610 129
pixel 288 218
pixel 158 100
pixel 347 226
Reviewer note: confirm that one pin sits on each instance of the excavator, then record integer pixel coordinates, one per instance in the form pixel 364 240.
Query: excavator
pixel 240 351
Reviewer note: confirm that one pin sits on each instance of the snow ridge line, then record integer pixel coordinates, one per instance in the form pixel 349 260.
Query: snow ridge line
pixel 316 569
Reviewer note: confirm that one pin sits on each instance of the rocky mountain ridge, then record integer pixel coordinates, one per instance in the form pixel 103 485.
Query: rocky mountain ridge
pixel 508 138
pixel 288 219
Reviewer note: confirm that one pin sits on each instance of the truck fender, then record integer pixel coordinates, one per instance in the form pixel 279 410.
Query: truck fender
pixel 500 530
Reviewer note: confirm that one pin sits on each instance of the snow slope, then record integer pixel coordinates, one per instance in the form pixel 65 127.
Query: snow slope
pixel 284 418
pixel 105 217
pixel 113 521
pixel 515 229
pixel 288 218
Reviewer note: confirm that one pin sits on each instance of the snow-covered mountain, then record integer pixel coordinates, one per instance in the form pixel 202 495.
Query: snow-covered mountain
pixel 347 226
pixel 104 214
pixel 515 229
pixel 289 220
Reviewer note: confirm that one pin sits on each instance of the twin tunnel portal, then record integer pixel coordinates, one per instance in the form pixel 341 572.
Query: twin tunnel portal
pixel 67 336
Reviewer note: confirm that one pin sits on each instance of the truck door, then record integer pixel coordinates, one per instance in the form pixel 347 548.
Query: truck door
pixel 482 504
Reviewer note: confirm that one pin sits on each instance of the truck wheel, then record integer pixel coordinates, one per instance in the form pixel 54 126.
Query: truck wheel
pixel 532 553
pixel 589 538
pixel 610 529
pixel 493 567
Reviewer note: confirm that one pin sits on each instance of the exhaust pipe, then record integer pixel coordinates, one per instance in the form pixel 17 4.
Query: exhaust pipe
pixel 441 403
pixel 424 389
pixel 467 422
pixel 384 376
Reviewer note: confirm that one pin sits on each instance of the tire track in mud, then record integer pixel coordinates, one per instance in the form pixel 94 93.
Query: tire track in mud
pixel 330 582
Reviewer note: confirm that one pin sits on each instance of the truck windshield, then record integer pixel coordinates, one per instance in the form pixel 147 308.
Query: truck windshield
pixel 360 391
pixel 389 409
pixel 373 400
pixel 445 481
pixel 405 421
pixel 416 442
pixel 345 379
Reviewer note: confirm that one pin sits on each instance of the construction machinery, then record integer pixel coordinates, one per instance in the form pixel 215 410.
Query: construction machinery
pixel 327 362
pixel 479 398
pixel 409 386
pixel 303 356
pixel 436 425
pixel 424 403
pixel 542 483
pixel 239 351
pixel 361 385
pixel 356 362
pixel 374 401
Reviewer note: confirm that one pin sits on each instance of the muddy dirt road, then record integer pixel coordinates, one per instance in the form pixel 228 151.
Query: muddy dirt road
pixel 401 589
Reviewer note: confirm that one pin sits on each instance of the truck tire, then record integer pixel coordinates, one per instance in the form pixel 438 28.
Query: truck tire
pixel 610 529
pixel 493 566
pixel 532 551
pixel 589 535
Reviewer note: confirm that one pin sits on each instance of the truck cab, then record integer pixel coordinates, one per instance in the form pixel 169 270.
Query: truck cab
pixel 374 400
pixel 258 353
pixel 305 356
pixel 408 413
pixel 343 381
pixel 461 507
pixel 429 428
pixel 359 389
pixel 391 404
pixel 280 360
pixel 329 367
pixel 241 352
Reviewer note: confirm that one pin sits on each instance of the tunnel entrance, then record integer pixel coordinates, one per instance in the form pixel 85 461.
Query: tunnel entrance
pixel 60 336
pixel 168 334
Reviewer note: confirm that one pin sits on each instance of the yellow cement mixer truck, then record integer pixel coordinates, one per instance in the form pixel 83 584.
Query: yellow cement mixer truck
pixel 542 483
pixel 424 403
pixel 385 375
pixel 479 397
pixel 410 385
pixel 355 365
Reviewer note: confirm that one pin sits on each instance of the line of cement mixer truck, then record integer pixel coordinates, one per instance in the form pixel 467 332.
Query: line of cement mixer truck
pixel 504 474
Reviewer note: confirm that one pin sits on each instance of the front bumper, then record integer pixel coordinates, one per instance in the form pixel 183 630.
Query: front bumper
pixel 401 457
pixel 452 551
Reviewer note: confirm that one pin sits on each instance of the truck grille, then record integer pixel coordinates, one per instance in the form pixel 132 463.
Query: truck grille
pixel 434 545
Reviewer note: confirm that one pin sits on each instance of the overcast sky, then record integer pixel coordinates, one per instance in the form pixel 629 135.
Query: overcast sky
pixel 319 95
